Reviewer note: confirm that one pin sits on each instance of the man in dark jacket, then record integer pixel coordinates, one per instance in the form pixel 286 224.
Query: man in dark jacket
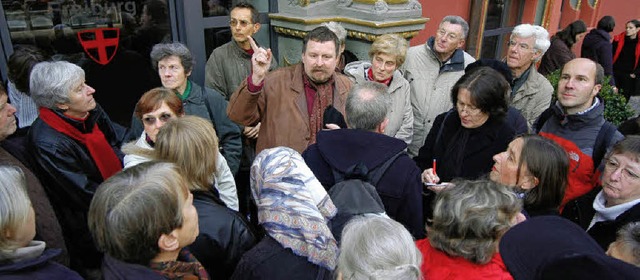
pixel 400 188
pixel 597 46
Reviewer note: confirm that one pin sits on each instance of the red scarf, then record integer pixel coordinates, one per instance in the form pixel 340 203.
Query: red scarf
pixel 99 149
pixel 386 82
pixel 319 97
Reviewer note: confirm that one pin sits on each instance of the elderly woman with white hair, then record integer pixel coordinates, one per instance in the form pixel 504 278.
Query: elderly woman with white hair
pixel 530 91
pixel 294 210
pixel 375 247
pixel 76 147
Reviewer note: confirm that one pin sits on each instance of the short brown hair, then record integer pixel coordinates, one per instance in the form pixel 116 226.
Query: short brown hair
pixel 153 99
pixel 132 209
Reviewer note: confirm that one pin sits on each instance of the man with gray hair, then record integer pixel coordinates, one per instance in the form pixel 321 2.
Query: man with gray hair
pixel 432 69
pixel 364 142
pixel 530 91
pixel 344 57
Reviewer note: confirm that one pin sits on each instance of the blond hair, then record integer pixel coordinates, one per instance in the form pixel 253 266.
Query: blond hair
pixel 390 44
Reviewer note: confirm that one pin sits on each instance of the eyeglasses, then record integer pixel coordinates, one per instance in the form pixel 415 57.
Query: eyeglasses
pixel 521 46
pixel 151 120
pixel 611 165
pixel 243 23
pixel 470 109
pixel 451 35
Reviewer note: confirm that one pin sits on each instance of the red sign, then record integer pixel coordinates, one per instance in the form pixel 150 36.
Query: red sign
pixel 101 44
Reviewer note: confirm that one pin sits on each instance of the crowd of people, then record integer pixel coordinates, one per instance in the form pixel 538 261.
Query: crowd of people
pixel 419 163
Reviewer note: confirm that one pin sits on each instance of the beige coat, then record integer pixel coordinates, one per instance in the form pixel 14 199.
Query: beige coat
pixel 400 113
pixel 533 97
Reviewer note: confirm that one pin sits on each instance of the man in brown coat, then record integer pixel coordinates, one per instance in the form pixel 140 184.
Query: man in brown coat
pixel 291 102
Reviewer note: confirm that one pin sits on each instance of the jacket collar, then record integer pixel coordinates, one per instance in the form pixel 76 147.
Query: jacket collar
pixel 576 121
pixel 358 71
pixel 455 62
pixel 196 96
pixel 84 126
pixel 46 256
pixel 530 86
pixel 238 50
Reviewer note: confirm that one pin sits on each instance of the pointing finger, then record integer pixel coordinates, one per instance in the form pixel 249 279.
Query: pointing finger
pixel 254 46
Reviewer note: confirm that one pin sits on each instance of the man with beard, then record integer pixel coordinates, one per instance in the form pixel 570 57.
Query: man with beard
pixel 293 103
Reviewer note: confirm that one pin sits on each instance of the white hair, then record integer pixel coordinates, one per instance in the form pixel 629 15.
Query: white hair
pixel 337 29
pixel 540 34
pixel 375 247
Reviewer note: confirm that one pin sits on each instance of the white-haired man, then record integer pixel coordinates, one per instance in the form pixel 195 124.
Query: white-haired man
pixel 530 91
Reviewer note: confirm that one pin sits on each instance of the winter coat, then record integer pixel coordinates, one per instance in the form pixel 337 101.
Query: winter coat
pixel 533 97
pixel 269 260
pixel 439 265
pixel 224 236
pixel 556 56
pixel 72 178
pixel 40 268
pixel 227 67
pixel 431 82
pixel 281 107
pixel 211 105
pixel 400 113
pixel 400 188
pixel 597 47
pixel 576 134
pixel 581 212
pixel 113 269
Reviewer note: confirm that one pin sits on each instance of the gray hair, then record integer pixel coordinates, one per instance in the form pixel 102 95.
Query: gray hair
pixel 51 82
pixel 540 34
pixel 629 238
pixel 133 208
pixel 164 50
pixel 375 247
pixel 15 206
pixel 367 105
pixel 470 217
pixel 337 28
pixel 459 21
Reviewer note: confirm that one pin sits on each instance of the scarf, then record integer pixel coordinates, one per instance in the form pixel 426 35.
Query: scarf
pixel 319 97
pixel 186 267
pixel 293 207
pixel 370 77
pixel 101 152
pixel 604 213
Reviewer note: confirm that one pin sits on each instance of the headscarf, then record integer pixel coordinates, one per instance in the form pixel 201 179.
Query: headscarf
pixel 293 207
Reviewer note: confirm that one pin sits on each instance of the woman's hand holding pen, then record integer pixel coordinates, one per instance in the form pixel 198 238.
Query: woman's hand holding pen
pixel 429 176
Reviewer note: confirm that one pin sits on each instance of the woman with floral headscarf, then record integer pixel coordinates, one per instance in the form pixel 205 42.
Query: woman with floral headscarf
pixel 293 209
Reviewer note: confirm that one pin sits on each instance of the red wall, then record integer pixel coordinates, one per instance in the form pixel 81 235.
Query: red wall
pixel 435 10
pixel 621 10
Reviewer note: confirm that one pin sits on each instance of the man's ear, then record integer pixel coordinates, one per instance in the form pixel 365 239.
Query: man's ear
pixel 383 125
pixel 169 242
pixel 460 44
pixel 256 28
pixel 596 89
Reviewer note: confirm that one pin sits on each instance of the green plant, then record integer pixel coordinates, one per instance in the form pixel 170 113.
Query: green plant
pixel 616 109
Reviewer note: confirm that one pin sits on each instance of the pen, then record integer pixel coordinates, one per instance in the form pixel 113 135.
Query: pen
pixel 434 166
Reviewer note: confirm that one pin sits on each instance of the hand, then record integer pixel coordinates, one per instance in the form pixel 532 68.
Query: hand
pixel 331 126
pixel 633 76
pixel 260 62
pixel 252 131
pixel 430 177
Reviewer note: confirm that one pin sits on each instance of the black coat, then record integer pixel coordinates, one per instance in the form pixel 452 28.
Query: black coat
pixel 42 267
pixel 113 269
pixel 478 147
pixel 71 178
pixel 581 212
pixel 224 236
pixel 597 47
pixel 269 260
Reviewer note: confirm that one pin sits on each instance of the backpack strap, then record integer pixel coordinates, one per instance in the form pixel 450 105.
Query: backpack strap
pixel 542 119
pixel 603 141
pixel 376 174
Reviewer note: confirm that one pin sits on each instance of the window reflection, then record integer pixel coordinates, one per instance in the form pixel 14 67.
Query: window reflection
pixel 212 8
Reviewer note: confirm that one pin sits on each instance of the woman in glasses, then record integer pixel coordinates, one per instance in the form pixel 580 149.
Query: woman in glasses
pixel 462 141
pixel 603 211
pixel 154 109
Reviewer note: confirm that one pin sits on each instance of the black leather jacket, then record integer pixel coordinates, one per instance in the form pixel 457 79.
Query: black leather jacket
pixel 71 178
pixel 224 236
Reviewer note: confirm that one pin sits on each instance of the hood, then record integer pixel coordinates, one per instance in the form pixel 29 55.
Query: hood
pixel 343 148
pixel 595 36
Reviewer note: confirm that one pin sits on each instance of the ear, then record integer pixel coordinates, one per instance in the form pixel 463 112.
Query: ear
pixel 256 28
pixel 460 44
pixel 189 73
pixel 342 47
pixel 169 242
pixel 536 56
pixel 383 125
pixel 596 90
pixel 62 107
pixel 531 183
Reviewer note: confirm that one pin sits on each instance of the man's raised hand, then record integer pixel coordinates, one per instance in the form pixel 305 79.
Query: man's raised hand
pixel 260 62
